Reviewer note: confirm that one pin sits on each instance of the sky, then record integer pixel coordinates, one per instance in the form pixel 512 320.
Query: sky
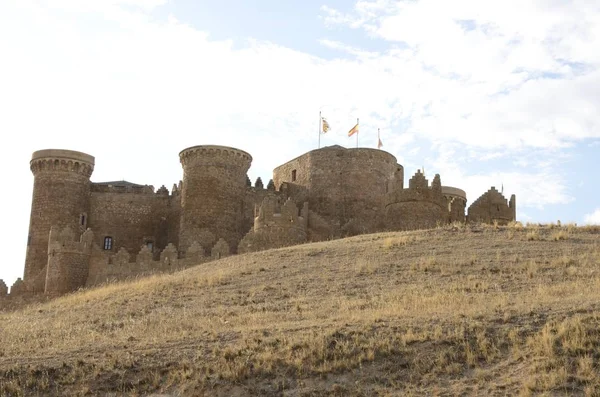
pixel 485 93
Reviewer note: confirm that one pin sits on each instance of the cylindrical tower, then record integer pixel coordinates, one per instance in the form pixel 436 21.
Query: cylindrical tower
pixel 345 186
pixel 61 197
pixel 214 184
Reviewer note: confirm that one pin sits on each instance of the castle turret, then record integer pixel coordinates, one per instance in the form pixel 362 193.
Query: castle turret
pixel 419 207
pixel 214 185
pixel 61 197
pixel 68 260
pixel 457 203
pixel 492 207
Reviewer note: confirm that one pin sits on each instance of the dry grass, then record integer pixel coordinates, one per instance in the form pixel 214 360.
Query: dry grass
pixel 481 310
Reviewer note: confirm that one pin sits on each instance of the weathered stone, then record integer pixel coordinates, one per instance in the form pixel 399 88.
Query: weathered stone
pixel 81 233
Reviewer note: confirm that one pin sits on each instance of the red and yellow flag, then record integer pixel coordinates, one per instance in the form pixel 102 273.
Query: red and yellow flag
pixel 354 130
pixel 324 125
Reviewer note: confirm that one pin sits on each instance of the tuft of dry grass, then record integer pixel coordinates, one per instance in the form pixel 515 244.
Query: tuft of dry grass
pixel 533 235
pixel 560 235
pixel 399 241
pixel 463 311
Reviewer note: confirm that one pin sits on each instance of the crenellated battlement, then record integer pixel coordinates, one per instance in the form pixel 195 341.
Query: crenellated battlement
pixel 65 240
pixel 208 154
pixel 62 160
pixel 215 210
pixel 492 207
pixel 276 225
pixel 419 190
pixel 122 265
pixel 420 206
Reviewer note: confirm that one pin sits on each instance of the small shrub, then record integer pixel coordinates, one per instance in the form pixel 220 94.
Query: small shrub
pixel 560 235
pixel 533 235
pixel 515 225
pixel 400 241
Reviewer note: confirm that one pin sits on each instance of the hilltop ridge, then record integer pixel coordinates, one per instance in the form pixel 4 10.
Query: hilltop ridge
pixel 478 310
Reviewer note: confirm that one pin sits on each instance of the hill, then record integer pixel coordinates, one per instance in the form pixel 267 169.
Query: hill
pixel 460 310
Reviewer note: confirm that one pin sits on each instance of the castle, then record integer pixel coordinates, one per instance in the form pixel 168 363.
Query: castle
pixel 83 233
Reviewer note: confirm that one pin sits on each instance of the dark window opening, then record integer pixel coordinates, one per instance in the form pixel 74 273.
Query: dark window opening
pixel 293 175
pixel 82 220
pixel 108 243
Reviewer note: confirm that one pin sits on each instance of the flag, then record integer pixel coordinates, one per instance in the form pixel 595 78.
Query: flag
pixel 379 144
pixel 324 125
pixel 354 130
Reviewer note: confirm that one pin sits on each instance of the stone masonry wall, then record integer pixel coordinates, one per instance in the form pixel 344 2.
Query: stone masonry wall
pixel 276 225
pixel 68 260
pixel 457 203
pixel 418 207
pixel 61 191
pixel 492 206
pixel 212 198
pixel 108 267
pixel 345 186
pixel 133 218
pixel 253 198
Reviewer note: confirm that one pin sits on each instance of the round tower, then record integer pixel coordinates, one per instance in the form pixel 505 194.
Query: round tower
pixel 214 185
pixel 61 197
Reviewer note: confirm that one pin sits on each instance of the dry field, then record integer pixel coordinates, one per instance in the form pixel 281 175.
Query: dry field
pixel 458 310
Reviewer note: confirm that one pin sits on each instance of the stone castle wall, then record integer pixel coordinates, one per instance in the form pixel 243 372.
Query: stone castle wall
pixel 276 225
pixel 492 207
pixel 134 216
pixel 214 186
pixel 61 192
pixel 420 206
pixel 457 203
pixel 68 260
pixel 216 211
pixel 346 187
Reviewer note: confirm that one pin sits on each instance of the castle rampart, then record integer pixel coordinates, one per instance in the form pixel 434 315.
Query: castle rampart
pixel 216 211
pixel 61 193
pixel 492 207
pixel 345 186
pixel 457 202
pixel 419 207
pixel 68 260
pixel 276 226
pixel 214 184
pixel 130 215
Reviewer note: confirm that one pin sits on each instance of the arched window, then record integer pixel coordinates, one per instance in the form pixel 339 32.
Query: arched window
pixel 108 243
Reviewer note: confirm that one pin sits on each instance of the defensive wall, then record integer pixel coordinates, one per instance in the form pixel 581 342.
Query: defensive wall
pixel 83 233
pixel 346 187
pixel 492 207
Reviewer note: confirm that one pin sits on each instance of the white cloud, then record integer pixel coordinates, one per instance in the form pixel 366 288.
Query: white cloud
pixel 592 218
pixel 483 85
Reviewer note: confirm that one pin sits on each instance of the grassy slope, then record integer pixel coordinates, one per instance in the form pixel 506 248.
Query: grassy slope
pixel 476 311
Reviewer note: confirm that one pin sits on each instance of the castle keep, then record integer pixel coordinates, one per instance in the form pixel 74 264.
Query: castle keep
pixel 83 233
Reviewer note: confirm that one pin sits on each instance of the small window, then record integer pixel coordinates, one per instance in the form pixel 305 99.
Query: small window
pixel 108 243
pixel 293 175
pixel 150 245
pixel 82 220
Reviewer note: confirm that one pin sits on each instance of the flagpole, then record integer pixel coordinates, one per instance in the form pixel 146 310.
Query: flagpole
pixel 320 120
pixel 357 132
